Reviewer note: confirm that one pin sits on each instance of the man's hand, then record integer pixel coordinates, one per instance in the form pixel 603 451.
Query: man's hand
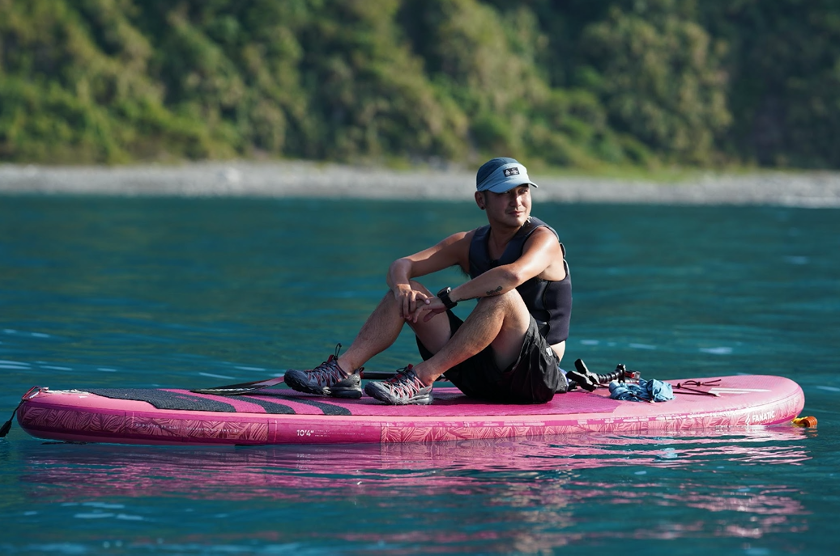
pixel 410 300
pixel 433 306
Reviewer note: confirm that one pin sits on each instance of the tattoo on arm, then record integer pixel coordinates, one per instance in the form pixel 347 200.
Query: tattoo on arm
pixel 488 293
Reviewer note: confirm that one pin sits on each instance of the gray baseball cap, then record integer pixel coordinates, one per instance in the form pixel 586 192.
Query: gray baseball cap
pixel 501 174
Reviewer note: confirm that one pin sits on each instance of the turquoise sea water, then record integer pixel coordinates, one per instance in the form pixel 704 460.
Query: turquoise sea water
pixel 147 292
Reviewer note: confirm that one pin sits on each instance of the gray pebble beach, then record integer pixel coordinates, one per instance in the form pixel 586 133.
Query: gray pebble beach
pixel 308 179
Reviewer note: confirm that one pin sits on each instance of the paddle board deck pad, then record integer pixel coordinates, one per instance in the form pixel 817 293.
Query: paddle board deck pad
pixel 283 416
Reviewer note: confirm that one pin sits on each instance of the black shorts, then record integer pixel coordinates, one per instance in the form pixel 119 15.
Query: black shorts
pixel 533 378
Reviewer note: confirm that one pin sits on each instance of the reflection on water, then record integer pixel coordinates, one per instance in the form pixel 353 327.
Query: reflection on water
pixel 526 495
pixel 287 471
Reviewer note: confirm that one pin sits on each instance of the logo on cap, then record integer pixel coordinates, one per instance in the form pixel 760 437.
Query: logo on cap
pixel 511 172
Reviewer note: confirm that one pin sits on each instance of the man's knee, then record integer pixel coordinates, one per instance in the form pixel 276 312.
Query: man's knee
pixel 509 310
pixel 506 302
pixel 435 332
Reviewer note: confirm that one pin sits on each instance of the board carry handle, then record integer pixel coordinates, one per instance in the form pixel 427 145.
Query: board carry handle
pixel 241 388
pixel 257 385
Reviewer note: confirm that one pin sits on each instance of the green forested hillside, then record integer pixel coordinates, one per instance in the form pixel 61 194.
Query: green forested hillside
pixel 573 83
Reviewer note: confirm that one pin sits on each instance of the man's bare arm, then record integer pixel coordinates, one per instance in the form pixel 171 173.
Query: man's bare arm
pixel 452 251
pixel 541 251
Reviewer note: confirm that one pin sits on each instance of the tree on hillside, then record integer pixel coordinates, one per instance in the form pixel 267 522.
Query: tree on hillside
pixel 660 78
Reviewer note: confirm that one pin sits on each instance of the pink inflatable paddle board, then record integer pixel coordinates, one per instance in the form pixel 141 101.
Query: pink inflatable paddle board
pixel 279 415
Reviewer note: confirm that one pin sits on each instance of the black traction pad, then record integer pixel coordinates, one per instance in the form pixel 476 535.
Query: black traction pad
pixel 163 399
pixel 326 407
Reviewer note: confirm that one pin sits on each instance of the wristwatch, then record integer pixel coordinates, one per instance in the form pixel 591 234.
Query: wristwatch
pixel 443 295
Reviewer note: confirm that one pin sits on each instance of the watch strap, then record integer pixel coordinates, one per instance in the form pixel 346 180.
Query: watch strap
pixel 443 295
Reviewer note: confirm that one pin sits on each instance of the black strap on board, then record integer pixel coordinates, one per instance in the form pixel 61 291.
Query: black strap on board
pixel 7 426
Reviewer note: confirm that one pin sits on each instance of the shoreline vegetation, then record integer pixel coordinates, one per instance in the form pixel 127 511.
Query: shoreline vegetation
pixel 330 180
pixel 576 84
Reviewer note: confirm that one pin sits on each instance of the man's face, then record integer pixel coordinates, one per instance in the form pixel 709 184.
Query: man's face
pixel 512 207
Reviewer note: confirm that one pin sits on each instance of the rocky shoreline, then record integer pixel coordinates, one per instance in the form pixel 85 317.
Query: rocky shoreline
pixel 307 179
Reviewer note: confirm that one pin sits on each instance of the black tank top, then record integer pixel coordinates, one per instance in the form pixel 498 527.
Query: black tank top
pixel 549 302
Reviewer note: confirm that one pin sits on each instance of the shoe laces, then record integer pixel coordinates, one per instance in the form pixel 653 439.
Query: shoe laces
pixel 329 372
pixel 405 383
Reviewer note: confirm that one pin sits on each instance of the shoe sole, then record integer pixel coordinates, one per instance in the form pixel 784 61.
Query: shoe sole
pixel 346 394
pixel 423 400
pixel 413 401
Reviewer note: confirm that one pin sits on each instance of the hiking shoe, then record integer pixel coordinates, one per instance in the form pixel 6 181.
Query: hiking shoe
pixel 404 389
pixel 327 379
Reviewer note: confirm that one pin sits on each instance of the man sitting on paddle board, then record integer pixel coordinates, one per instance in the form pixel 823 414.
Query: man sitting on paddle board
pixel 509 348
